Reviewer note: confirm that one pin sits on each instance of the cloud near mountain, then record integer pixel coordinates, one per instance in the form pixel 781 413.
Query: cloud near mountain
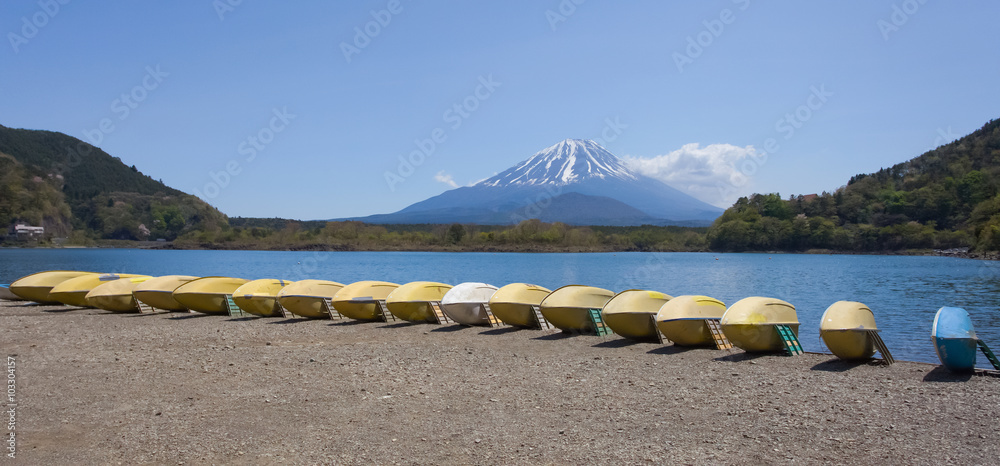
pixel 446 178
pixel 699 171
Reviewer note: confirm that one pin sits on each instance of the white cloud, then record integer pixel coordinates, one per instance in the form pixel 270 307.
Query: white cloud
pixel 445 178
pixel 710 173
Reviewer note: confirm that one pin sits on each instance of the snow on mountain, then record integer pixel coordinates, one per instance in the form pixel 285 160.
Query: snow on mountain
pixel 575 181
pixel 570 161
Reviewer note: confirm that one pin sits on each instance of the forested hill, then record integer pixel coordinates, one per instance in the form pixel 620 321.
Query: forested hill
pixel 62 183
pixel 945 198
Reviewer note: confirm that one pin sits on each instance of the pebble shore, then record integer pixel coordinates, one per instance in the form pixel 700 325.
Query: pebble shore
pixel 177 388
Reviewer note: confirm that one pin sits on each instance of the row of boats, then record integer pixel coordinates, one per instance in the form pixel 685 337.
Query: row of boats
pixel 755 324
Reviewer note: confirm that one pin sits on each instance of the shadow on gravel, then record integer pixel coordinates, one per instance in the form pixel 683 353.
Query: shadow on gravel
pixel 743 356
pixel 940 374
pixel 619 343
pixel 350 322
pixel 290 320
pixel 838 365
pixel 501 331
pixel 153 314
pixel 672 349
pixel 451 328
pixel 556 336
pixel 62 310
pixel 242 319
pixel 399 325
pixel 189 316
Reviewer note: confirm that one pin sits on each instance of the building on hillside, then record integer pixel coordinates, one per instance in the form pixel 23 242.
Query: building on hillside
pixel 26 231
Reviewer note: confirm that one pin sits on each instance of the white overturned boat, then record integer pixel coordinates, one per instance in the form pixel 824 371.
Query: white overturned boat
pixel 466 303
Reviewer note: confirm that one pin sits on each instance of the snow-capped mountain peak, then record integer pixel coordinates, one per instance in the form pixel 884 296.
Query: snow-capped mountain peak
pixel 570 161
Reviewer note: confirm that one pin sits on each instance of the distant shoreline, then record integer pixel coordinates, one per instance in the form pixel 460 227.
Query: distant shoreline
pixel 528 248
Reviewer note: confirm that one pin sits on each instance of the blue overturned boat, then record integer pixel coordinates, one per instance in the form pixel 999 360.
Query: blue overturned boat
pixel 954 339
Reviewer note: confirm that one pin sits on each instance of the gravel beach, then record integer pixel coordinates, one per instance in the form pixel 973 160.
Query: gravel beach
pixel 174 388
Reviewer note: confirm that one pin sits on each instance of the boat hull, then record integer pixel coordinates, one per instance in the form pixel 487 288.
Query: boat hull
pixel 756 337
pixel 159 292
pixel 569 319
pixel 956 354
pixel 849 343
pixel 568 308
pixel 954 339
pixel 310 307
pixel 466 313
pixel 515 314
pixel 358 300
pixel 208 295
pixel 632 325
pixel 846 328
pixel 263 306
pixel 160 300
pixel 358 310
pixel 36 287
pixel 116 296
pixel 682 319
pixel 115 303
pixel 306 298
pixel 73 292
pixel 205 303
pixel 412 311
pixel 513 304
pixel 686 332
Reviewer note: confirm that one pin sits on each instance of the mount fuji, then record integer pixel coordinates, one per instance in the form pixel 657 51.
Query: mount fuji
pixel 575 181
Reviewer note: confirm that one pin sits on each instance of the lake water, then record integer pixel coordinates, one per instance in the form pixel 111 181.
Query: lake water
pixel 904 292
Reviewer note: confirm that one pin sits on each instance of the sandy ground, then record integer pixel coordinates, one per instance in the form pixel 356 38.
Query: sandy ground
pixel 100 388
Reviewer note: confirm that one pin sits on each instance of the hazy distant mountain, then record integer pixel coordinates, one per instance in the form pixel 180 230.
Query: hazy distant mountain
pixel 575 182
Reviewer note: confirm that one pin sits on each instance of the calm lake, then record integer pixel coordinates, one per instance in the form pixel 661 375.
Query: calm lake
pixel 903 291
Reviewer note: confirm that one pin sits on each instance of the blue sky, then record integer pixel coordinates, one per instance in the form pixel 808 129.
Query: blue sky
pixel 283 109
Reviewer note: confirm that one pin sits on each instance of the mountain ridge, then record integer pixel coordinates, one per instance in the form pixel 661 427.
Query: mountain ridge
pixel 69 186
pixel 570 166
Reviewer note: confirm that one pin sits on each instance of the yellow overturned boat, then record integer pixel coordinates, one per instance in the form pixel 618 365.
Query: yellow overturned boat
pixel 116 295
pixel 359 300
pixel 569 308
pixel 260 297
pixel 464 303
pixel 750 323
pixel 306 298
pixel 413 301
pixel 632 313
pixel 208 295
pixel 73 292
pixel 682 319
pixel 36 287
pixel 515 304
pixel 846 329
pixel 159 292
